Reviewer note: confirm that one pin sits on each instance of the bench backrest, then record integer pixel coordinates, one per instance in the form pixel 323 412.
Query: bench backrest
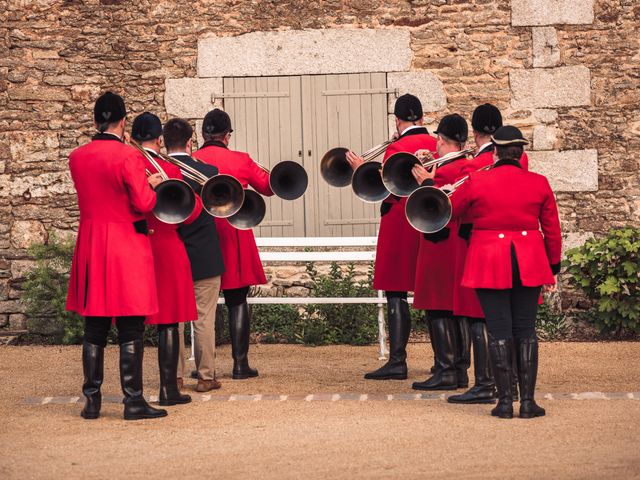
pixel 319 242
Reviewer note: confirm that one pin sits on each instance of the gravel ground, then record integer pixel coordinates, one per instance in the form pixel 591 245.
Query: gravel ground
pixel 345 439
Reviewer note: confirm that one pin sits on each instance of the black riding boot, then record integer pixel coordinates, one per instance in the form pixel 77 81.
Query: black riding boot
pixel 527 349
pixel 430 329
pixel 399 322
pixel 514 365
pixel 239 331
pixel 93 368
pixel 501 351
pixel 168 351
pixel 484 390
pixel 445 377
pixel 463 350
pixel 135 406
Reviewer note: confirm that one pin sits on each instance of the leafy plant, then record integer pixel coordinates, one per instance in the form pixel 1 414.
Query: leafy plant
pixel 275 323
pixel 45 291
pixel 551 323
pixel 608 271
pixel 354 324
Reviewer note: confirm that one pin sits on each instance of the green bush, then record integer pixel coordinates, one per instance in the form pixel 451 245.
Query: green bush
pixel 353 324
pixel 321 324
pixel 551 323
pixel 275 323
pixel 608 271
pixel 45 291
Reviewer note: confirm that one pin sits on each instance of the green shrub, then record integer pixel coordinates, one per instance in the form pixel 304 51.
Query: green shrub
pixel 275 323
pixel 322 324
pixel 45 291
pixel 551 323
pixel 354 324
pixel 608 271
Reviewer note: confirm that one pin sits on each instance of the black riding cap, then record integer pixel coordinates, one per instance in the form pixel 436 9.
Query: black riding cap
pixel 146 126
pixel 216 121
pixel 454 127
pixel 408 108
pixel 109 108
pixel 486 119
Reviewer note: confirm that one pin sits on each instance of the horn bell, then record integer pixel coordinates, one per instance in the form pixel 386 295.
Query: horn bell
pixel 428 209
pixel 175 201
pixel 397 176
pixel 252 212
pixel 335 169
pixel 222 196
pixel 367 183
pixel 288 180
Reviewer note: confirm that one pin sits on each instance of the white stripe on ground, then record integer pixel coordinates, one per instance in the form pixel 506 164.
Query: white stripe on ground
pixel 335 397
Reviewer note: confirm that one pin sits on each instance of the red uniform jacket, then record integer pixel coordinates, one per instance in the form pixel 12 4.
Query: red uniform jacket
pixel 435 271
pixel 465 300
pixel 239 250
pixel 176 298
pixel 397 248
pixel 112 270
pixel 524 161
pixel 509 206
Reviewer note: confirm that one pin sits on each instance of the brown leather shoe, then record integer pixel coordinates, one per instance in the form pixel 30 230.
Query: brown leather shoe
pixel 207 385
pixel 180 383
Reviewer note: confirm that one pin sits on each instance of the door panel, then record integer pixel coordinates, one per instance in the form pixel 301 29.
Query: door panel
pixel 300 119
pixel 344 113
pixel 266 118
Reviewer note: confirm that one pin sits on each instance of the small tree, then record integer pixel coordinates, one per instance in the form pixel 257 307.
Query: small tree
pixel 607 269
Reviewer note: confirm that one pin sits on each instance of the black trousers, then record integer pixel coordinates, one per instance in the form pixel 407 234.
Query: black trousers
pixel 393 294
pixel 511 312
pixel 96 329
pixel 235 296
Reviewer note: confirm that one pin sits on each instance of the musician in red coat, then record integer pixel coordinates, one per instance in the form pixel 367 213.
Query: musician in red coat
pixel 514 251
pixel 176 296
pixel 239 250
pixel 435 271
pixel 397 248
pixel 112 271
pixel 486 119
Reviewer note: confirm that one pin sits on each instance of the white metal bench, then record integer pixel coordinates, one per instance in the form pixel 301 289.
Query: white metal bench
pixel 366 255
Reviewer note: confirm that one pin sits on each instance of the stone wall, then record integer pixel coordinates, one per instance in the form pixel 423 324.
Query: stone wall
pixel 564 71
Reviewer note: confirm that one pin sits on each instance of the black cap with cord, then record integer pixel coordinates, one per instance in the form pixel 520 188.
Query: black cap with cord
pixel 146 126
pixel 454 127
pixel 486 119
pixel 109 108
pixel 215 122
pixel 408 108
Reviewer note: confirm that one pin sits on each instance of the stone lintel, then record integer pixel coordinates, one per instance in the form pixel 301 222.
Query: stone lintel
pixel 551 12
pixel 305 52
pixel 567 171
pixel 550 87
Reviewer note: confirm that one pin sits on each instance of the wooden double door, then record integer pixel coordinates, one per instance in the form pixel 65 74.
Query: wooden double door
pixel 300 118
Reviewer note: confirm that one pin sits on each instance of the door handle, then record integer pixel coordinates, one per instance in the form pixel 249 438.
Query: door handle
pixel 308 153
